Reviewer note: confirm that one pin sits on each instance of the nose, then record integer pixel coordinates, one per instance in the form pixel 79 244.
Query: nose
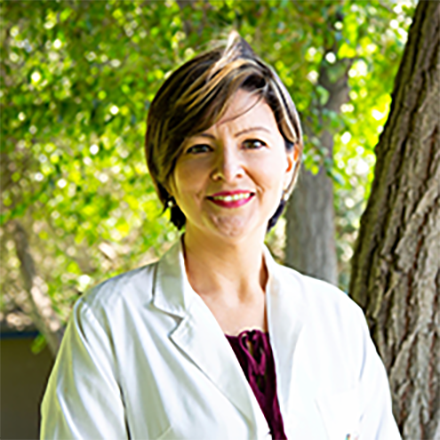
pixel 228 165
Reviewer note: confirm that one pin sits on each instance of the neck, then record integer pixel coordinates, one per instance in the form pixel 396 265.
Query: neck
pixel 231 269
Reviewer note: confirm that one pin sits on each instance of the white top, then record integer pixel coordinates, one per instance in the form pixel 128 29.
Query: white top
pixel 144 358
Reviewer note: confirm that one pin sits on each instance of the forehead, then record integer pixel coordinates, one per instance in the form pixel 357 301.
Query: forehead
pixel 246 108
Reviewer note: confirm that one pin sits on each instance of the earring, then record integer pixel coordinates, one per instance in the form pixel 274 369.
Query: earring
pixel 171 203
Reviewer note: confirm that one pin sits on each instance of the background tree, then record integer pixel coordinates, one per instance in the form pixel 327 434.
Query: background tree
pixel 310 212
pixel 396 266
pixel 353 40
pixel 77 79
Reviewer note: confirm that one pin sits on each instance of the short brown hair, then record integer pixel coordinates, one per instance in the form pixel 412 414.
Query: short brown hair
pixel 196 95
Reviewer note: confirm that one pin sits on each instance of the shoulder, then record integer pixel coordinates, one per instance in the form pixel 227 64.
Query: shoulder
pixel 325 303
pixel 334 326
pixel 316 289
pixel 132 288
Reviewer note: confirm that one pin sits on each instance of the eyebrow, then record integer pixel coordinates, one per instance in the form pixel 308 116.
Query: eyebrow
pixel 206 135
pixel 246 130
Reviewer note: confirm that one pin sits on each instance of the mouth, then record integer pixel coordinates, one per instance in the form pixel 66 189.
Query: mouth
pixel 231 199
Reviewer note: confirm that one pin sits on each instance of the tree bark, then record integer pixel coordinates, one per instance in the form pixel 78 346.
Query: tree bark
pixel 41 311
pixel 310 227
pixel 396 265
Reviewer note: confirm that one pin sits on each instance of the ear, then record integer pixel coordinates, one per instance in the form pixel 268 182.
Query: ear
pixel 292 157
pixel 170 186
pixel 296 151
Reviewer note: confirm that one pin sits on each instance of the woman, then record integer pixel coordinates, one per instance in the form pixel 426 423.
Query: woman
pixel 216 340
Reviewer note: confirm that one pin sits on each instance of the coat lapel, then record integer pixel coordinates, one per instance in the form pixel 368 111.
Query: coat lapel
pixel 286 316
pixel 200 337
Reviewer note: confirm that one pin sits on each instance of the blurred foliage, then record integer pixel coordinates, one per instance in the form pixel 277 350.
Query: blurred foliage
pixel 77 78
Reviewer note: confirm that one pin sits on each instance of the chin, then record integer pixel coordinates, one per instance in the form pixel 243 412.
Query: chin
pixel 233 227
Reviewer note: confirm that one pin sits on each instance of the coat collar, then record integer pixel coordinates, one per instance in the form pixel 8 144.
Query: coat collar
pixel 286 315
pixel 172 291
pixel 200 337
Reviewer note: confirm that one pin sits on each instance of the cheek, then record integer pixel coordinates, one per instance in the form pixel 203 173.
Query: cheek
pixel 187 179
pixel 271 173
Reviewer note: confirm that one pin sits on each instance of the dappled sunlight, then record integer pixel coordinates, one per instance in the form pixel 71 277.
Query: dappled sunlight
pixel 79 82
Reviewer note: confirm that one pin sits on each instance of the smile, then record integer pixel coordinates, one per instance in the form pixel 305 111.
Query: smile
pixel 231 200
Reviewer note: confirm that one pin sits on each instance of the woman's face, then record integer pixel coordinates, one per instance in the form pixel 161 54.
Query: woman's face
pixel 229 180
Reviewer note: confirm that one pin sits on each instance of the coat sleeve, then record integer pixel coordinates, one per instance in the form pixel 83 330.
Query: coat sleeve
pixel 83 399
pixel 377 420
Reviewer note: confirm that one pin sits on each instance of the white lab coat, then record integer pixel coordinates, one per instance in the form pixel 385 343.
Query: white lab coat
pixel 144 358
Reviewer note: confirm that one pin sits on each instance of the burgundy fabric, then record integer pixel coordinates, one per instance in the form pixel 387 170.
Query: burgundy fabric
pixel 253 351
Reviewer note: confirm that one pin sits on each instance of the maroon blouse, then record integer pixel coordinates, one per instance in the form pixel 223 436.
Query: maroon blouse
pixel 253 351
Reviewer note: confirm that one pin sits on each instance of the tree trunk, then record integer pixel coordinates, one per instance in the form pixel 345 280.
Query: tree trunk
pixel 310 227
pixel 396 265
pixel 41 311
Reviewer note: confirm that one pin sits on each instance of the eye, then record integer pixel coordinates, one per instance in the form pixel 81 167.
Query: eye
pixel 253 144
pixel 199 148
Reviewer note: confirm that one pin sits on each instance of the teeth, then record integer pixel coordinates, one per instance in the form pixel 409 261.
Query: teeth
pixel 232 198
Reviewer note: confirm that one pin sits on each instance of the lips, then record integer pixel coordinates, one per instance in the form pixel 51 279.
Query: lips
pixel 231 199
